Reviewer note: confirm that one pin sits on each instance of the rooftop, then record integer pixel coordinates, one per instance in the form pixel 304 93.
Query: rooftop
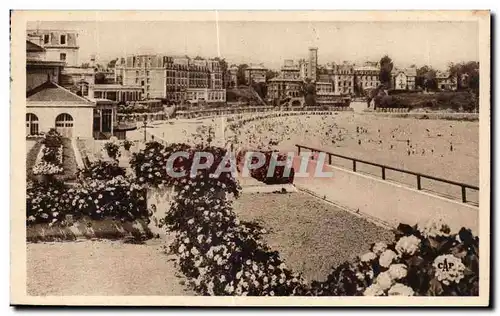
pixel 52 92
pixel 32 47
pixel 115 87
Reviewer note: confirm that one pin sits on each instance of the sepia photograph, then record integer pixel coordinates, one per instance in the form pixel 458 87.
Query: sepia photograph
pixel 250 158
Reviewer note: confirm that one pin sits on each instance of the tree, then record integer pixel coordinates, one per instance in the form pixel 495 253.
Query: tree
pixel 466 74
pixel 270 74
pixel 240 74
pixel 426 78
pixel 309 91
pixel 386 67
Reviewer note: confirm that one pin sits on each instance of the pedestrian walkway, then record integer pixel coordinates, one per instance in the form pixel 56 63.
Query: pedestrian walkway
pixel 102 268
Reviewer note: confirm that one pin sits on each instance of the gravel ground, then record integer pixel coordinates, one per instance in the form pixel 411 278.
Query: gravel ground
pixel 101 268
pixel 311 235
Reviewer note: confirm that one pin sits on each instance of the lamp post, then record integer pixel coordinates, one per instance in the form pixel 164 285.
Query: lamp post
pixel 145 125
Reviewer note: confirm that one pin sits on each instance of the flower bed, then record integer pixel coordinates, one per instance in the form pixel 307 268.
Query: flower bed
pixel 50 159
pixel 117 198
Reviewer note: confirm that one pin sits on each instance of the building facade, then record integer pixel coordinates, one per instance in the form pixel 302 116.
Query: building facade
pixel 445 81
pixel 343 78
pixel 38 68
pixel 52 106
pixel 255 74
pixel 366 77
pixel 282 88
pixel 115 92
pixel 404 79
pixel 290 70
pixel 59 45
pixel 170 77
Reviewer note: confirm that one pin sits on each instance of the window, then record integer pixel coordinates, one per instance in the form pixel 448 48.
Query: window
pixel 63 39
pixel 46 38
pixel 31 124
pixel 62 56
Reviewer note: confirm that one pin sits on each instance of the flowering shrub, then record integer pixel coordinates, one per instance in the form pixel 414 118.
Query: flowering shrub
pixel 278 176
pixel 218 254
pixel 112 149
pixel 116 198
pixel 127 144
pixel 47 202
pixel 425 260
pixel 50 159
pixel 101 170
pixel 150 166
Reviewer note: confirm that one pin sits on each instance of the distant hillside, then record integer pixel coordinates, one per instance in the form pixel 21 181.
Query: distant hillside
pixel 452 101
pixel 242 94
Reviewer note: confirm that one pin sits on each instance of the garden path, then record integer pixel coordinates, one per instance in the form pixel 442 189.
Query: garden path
pixel 111 268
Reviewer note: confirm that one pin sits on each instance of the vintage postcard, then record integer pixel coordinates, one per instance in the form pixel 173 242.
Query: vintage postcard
pixel 237 158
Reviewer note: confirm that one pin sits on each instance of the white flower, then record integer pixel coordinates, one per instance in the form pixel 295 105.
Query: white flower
pixel 384 280
pixel 387 257
pixel 448 268
pixel 191 221
pixel 229 288
pixel 194 251
pixel 379 248
pixel 360 276
pixel 238 275
pixel 408 245
pixel 367 257
pixel 400 290
pixel 435 227
pixel 373 290
pixel 398 271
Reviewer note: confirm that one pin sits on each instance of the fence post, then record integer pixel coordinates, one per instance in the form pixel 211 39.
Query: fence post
pixel 354 165
pixel 464 194
pixel 298 148
pixel 329 159
pixel 383 173
pixel 419 184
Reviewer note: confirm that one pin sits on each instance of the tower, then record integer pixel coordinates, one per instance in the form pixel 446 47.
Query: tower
pixel 313 63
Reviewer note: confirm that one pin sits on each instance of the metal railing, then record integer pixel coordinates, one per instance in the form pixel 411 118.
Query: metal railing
pixel 463 186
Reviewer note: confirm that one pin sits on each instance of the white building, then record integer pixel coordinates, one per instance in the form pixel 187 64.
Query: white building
pixel 201 95
pixel 51 106
pixel 59 45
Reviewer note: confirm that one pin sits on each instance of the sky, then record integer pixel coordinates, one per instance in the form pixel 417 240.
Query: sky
pixel 420 43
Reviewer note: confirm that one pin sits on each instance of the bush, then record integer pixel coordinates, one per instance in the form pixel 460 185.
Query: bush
pixel 150 165
pixel 424 260
pixel 127 144
pixel 278 177
pixel 112 149
pixel 115 198
pixel 218 254
pixel 101 170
